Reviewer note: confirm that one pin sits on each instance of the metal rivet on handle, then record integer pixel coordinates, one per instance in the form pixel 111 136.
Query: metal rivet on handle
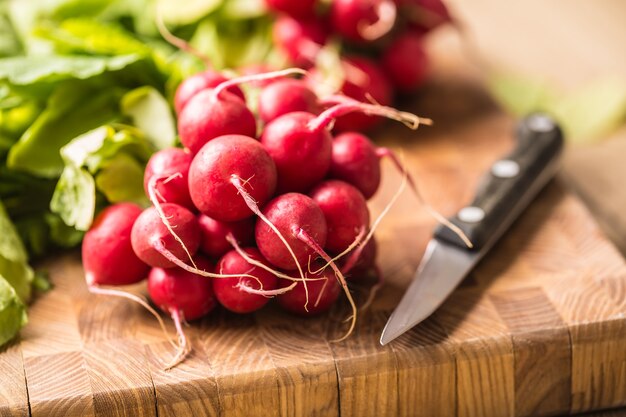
pixel 505 168
pixel 471 214
pixel 540 123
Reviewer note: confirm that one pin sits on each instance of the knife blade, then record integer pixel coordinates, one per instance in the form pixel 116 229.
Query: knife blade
pixel 504 192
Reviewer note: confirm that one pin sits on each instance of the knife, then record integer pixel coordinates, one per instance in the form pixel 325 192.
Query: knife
pixel 505 191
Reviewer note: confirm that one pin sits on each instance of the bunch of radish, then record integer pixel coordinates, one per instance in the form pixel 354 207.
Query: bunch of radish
pixel 255 206
pixel 382 45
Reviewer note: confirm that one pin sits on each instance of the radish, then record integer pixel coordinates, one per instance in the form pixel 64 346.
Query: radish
pixel 365 82
pixel 107 253
pixel 243 294
pixel 426 15
pixel 216 112
pixel 356 267
pixel 155 244
pixel 300 144
pixel 184 296
pixel 201 81
pixel 322 294
pixel 363 20
pixel 354 160
pixel 214 232
pixel 289 213
pixel 345 211
pixel 405 62
pixel 226 171
pixel 171 167
pixel 286 96
pixel 295 8
pixel 299 39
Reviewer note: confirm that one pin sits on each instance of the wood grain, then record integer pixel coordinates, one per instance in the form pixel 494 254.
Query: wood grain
pixel 13 394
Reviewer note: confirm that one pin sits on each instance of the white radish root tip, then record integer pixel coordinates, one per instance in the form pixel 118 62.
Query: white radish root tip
pixel 94 289
pixel 183 345
pixel 254 207
pixel 375 288
pixel 386 12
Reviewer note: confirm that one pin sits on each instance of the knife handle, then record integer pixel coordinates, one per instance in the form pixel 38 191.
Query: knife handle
pixel 510 185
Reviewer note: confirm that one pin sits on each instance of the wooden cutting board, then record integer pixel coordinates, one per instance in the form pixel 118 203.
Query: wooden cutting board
pixel 537 329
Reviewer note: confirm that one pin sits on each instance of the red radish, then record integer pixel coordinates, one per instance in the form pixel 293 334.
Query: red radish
pixel 301 154
pixel 426 15
pixel 345 211
pixel 364 82
pixel 295 8
pixel 201 81
pixel 154 243
pixel 322 294
pixel 225 166
pixel 299 39
pixel 231 292
pixel 183 295
pixel 171 166
pixel 300 144
pixel 363 20
pixel 216 112
pixel 355 161
pixel 286 96
pixel 290 213
pixel 405 62
pixel 257 69
pixel 207 116
pixel 176 289
pixel 214 232
pixel 355 268
pixel 108 256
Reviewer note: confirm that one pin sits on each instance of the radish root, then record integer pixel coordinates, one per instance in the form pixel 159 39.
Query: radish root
pixel 256 77
pixel 254 207
pixel 94 289
pixel 386 152
pixel 183 345
pixel 178 42
pixel 304 237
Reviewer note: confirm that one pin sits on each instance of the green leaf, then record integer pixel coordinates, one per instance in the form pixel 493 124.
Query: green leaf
pixel 13 258
pixel 151 113
pixel 33 70
pixel 73 109
pixel 93 37
pixel 12 312
pixel 191 11
pixel 521 94
pixel 243 9
pixel 121 179
pixel 61 234
pixel 74 197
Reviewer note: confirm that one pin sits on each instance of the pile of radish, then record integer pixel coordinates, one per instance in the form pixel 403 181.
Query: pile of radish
pixel 381 41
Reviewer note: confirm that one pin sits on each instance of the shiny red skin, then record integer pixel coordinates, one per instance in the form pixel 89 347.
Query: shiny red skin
pixel 286 96
pixel 293 36
pixel 214 243
pixel 326 291
pixel 345 211
pixel 206 117
pixel 165 163
pixel 295 8
pixel 226 289
pixel 149 229
pixel 302 156
pixel 346 16
pixel 354 161
pixel 176 289
pixel 211 171
pixel 367 80
pixel 192 85
pixel 107 253
pixel 289 213
pixel 405 62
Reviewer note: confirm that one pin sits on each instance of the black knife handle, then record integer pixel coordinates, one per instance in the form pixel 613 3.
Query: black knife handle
pixel 510 184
